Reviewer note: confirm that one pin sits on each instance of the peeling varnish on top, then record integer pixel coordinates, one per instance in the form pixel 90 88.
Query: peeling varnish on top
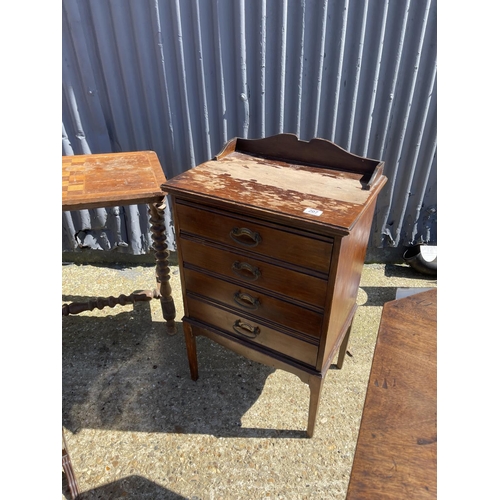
pixel 112 161
pixel 279 187
pixel 319 206
pixel 283 178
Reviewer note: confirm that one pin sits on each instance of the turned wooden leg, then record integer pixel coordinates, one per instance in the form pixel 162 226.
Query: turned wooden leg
pixel 191 350
pixel 315 385
pixel 68 470
pixel 157 219
pixel 101 303
pixel 343 348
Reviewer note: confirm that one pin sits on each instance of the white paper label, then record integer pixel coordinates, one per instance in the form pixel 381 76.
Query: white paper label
pixel 313 211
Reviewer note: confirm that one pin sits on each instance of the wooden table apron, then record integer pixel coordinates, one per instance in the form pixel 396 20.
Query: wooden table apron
pixel 396 452
pixel 116 179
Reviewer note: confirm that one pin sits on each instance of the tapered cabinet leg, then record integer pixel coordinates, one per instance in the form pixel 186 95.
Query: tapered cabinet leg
pixel 315 386
pixel 157 219
pixel 191 350
pixel 343 348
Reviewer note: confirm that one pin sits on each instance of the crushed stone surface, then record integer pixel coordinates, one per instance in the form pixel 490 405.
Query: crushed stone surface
pixel 138 427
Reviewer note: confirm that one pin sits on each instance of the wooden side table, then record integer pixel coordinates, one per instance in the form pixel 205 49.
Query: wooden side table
pixel 116 179
pixel 396 453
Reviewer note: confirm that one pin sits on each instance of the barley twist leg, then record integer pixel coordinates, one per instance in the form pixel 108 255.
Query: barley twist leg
pixel 158 230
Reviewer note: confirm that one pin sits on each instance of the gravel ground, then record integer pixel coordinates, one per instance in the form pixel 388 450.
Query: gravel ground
pixel 138 427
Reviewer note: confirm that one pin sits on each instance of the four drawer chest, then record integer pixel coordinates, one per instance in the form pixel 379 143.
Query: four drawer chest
pixel 271 238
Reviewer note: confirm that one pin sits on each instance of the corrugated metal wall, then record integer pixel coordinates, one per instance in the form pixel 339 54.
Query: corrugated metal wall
pixel 183 77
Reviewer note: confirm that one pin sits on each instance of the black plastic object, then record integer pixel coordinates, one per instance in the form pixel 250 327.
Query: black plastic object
pixel 421 262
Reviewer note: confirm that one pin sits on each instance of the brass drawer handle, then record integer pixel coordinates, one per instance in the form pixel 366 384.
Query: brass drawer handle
pixel 246 271
pixel 245 329
pixel 239 234
pixel 246 300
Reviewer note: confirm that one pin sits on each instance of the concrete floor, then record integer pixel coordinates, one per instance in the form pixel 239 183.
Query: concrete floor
pixel 138 427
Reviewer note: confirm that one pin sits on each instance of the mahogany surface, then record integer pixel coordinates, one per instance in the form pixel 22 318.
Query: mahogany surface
pixel 271 239
pixel 247 300
pixel 396 453
pixel 115 179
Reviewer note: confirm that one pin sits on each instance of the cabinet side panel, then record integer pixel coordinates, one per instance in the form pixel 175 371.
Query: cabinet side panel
pixel 347 276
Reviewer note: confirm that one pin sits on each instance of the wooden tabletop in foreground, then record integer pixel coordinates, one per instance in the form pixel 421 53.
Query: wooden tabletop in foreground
pixel 396 453
pixel 111 179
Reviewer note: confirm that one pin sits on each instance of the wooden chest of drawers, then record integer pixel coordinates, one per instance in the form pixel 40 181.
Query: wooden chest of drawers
pixel 271 237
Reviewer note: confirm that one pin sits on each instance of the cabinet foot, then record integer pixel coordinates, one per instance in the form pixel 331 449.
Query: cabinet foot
pixel 343 348
pixel 191 350
pixel 315 386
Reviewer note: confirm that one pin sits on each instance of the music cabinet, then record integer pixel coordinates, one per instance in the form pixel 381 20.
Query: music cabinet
pixel 271 239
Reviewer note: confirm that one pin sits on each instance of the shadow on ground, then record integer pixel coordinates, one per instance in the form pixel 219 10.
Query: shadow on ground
pixel 132 487
pixel 406 272
pixel 123 372
pixel 378 295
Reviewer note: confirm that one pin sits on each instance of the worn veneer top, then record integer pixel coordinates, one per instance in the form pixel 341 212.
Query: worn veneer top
pixel 321 194
pixel 109 179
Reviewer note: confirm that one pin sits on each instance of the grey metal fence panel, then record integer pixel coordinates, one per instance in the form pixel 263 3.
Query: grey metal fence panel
pixel 183 77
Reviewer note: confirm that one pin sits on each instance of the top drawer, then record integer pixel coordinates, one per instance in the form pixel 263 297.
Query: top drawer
pixel 247 234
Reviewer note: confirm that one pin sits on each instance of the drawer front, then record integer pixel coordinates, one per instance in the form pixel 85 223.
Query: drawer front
pixel 300 286
pixel 251 331
pixel 254 302
pixel 246 234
